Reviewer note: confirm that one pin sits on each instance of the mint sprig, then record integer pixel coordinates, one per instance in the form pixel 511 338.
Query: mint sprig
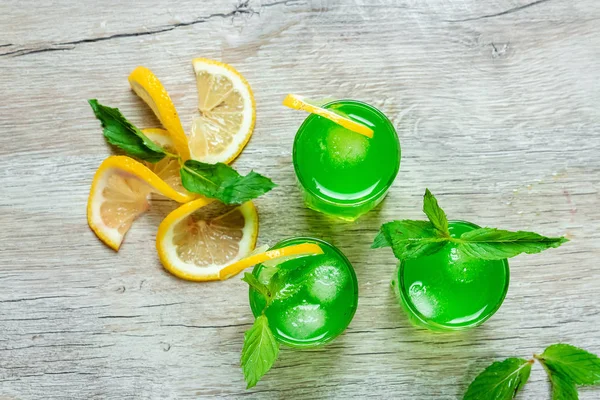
pixel 567 366
pixel 260 349
pixel 121 133
pixel 260 346
pixel 411 239
pixel 562 388
pixel 218 181
pixel 577 365
pixel 259 352
pixel 257 285
pixel 496 244
pixel 222 182
pixel 501 380
pixel 435 214
pixel 286 282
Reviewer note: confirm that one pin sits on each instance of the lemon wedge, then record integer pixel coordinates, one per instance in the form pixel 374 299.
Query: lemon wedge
pixel 119 194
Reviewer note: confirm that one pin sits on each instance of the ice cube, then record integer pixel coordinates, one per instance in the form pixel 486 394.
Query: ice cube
pixel 423 301
pixel 346 147
pixel 325 282
pixel 303 321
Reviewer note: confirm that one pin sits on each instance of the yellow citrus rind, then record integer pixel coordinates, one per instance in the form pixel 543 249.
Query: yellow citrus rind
pixel 299 250
pixel 167 250
pixel 299 103
pixel 131 169
pixel 149 88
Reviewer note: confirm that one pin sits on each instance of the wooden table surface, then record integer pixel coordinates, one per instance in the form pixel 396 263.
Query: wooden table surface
pixel 497 105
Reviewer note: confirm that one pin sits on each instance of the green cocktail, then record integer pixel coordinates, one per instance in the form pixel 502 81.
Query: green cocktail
pixel 343 173
pixel 453 275
pixel 318 299
pixel 446 291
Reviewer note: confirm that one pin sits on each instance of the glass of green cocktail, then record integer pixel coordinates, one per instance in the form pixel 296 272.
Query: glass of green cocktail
pixel 453 275
pixel 319 297
pixel 343 173
pixel 444 291
pixel 300 302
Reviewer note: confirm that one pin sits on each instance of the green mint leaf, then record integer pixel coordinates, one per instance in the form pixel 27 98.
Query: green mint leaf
pixel 410 239
pixel 206 179
pixel 496 244
pixel 573 363
pixel 255 284
pixel 282 289
pixel 436 215
pixel 259 352
pixel 562 387
pixel 380 240
pixel 286 282
pixel 221 182
pixel 500 381
pixel 247 187
pixel 121 133
pixel 276 283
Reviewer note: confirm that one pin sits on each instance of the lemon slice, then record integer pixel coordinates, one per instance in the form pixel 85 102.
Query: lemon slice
pixel 146 85
pixel 168 168
pixel 119 194
pixel 300 103
pixel 200 238
pixel 227 112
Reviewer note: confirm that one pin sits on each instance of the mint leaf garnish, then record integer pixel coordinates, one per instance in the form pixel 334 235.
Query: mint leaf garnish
pixel 436 215
pixel 282 290
pixel 218 181
pixel 566 365
pixel 286 282
pixel 222 182
pixel 500 381
pixel 562 387
pixel 257 285
pixel 119 132
pixel 410 239
pixel 259 352
pixel 380 240
pixel 575 364
pixel 497 244
pixel 260 346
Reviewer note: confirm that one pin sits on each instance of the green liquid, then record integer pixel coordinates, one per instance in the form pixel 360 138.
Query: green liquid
pixel 445 292
pixel 343 173
pixel 323 306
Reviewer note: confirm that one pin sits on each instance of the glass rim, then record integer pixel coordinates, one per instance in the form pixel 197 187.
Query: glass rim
pixel 428 323
pixel 361 201
pixel 318 342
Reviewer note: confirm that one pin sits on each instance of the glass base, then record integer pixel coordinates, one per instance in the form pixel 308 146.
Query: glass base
pixel 348 213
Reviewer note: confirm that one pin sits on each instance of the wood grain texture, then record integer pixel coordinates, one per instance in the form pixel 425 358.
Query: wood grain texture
pixel 497 107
